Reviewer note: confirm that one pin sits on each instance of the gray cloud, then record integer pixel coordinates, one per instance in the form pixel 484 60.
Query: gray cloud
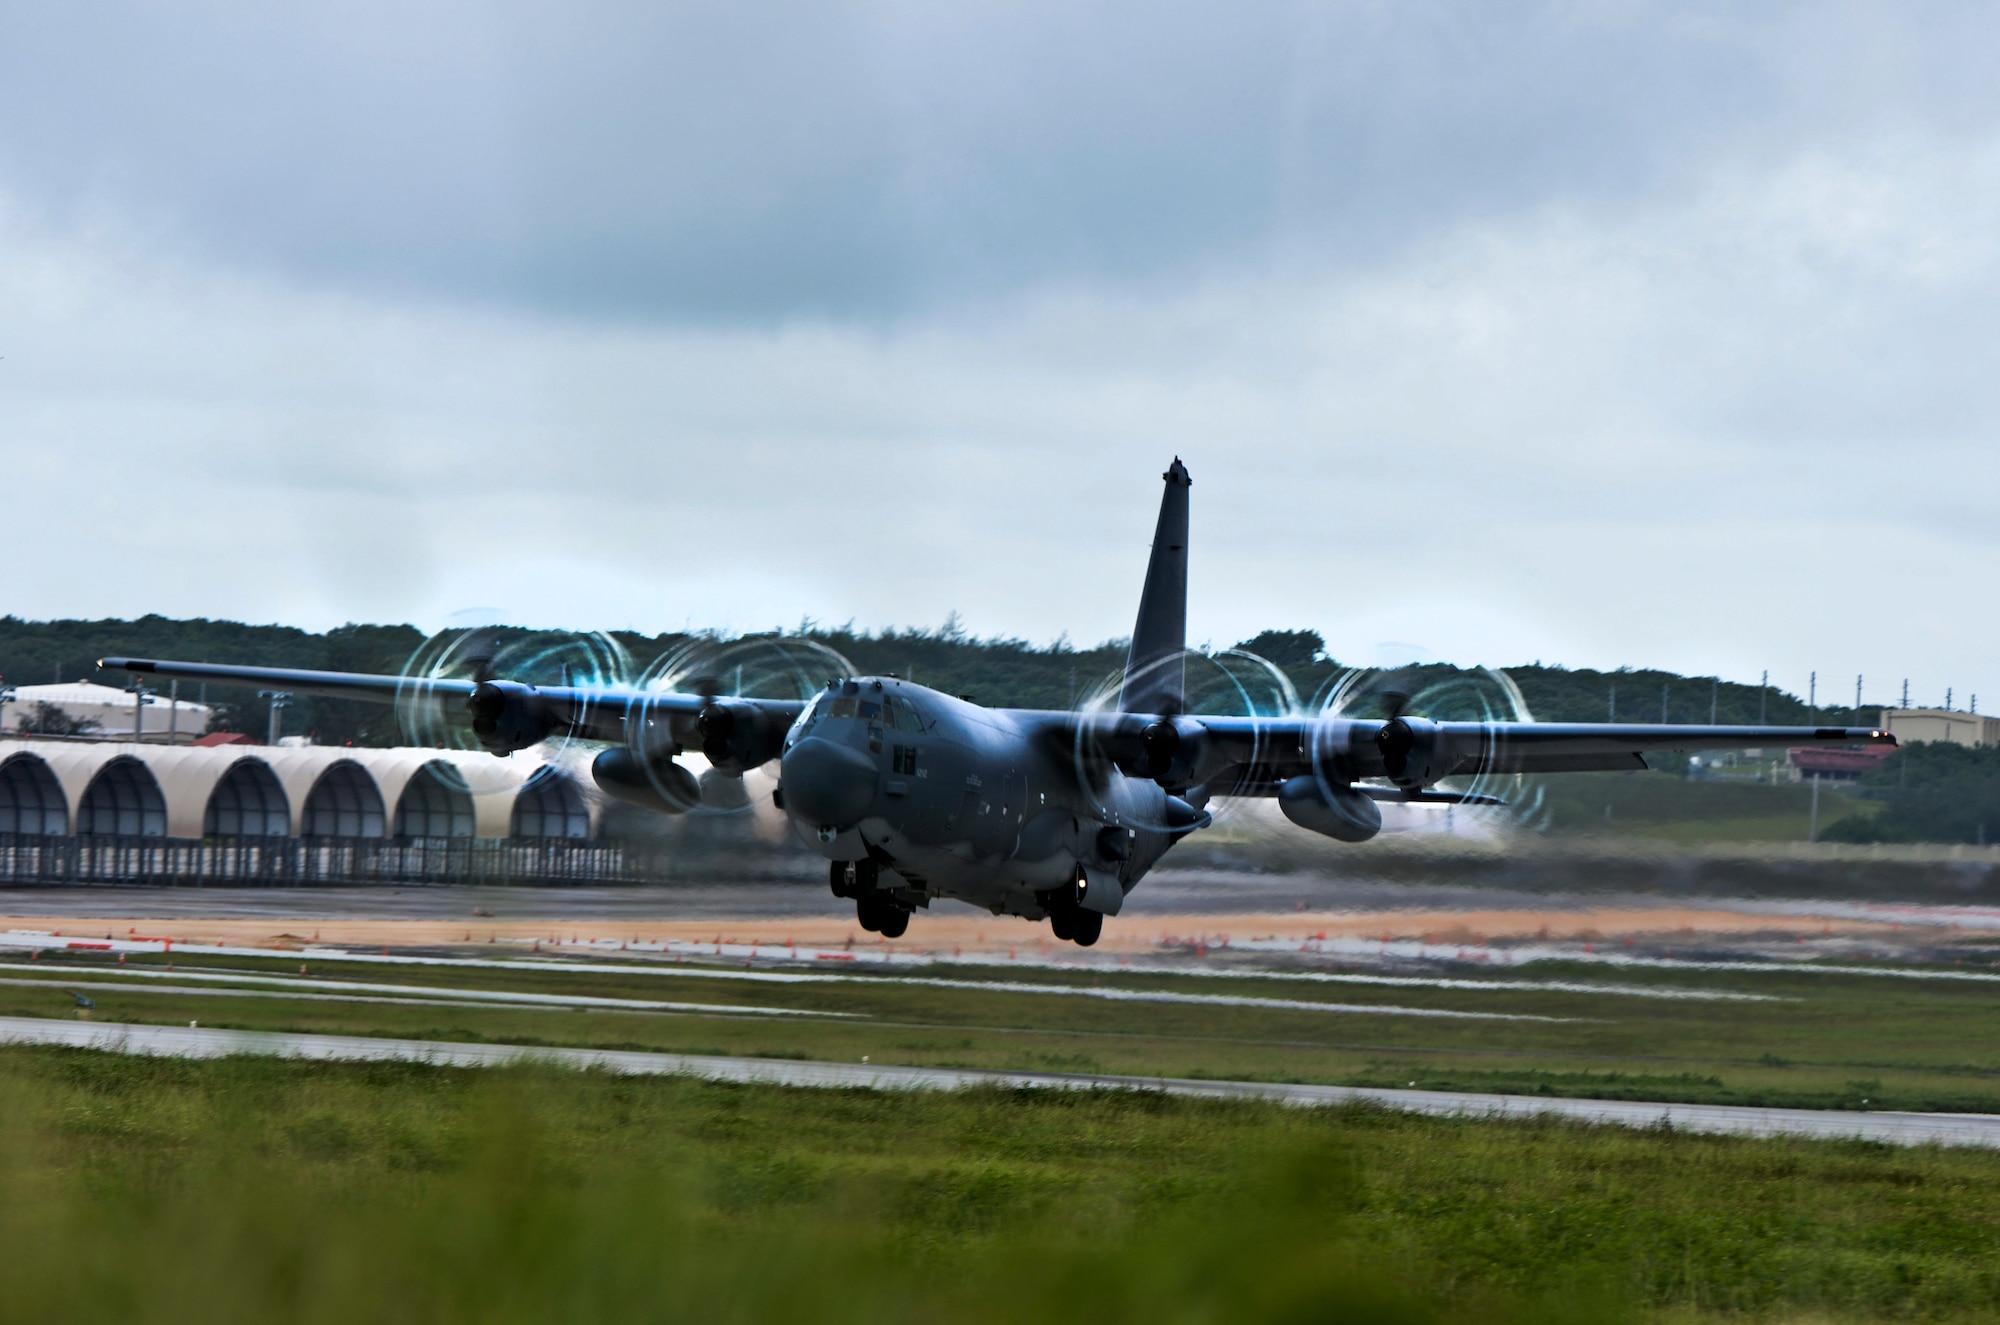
pixel 696 162
pixel 1621 334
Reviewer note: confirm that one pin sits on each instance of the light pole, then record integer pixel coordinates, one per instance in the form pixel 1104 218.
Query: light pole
pixel 140 698
pixel 280 701
pixel 6 698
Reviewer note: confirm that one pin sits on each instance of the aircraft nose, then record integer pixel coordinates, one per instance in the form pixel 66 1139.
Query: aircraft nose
pixel 826 784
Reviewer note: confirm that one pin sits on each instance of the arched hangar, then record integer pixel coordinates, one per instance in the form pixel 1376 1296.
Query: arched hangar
pixel 118 788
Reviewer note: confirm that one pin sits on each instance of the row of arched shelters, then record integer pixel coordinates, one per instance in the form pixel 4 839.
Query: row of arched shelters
pixel 122 789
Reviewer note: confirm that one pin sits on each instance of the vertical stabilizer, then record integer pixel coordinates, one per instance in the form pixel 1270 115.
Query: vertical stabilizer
pixel 1155 675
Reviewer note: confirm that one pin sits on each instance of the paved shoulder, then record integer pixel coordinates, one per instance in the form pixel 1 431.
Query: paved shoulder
pixel 1970 1129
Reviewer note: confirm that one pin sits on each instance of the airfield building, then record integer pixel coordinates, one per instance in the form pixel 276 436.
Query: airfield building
pixel 119 788
pixel 79 811
pixel 1911 726
pixel 106 712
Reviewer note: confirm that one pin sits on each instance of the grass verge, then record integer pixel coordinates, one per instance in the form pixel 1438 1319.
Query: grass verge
pixel 258 1189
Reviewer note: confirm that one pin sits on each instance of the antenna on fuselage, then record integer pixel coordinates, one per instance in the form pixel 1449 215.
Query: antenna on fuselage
pixel 1155 673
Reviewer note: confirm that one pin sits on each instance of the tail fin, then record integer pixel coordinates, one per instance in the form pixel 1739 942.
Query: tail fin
pixel 1155 676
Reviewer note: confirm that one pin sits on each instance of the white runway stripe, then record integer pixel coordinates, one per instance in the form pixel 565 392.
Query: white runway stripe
pixel 1905 1129
pixel 1212 1000
pixel 358 987
pixel 649 960
pixel 634 1004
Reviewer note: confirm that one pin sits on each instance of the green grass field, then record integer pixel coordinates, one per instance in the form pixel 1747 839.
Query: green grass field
pixel 1808 1039
pixel 261 1190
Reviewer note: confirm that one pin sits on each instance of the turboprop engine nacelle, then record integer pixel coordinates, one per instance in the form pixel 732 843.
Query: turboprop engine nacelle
pixel 1413 752
pixel 508 716
pixel 1167 750
pixel 1333 811
pixel 737 737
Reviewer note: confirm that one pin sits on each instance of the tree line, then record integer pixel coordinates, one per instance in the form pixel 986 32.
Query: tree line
pixel 1001 672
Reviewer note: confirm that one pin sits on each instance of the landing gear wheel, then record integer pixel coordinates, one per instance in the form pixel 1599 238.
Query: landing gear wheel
pixel 840 878
pixel 881 915
pixel 1062 921
pixel 1085 926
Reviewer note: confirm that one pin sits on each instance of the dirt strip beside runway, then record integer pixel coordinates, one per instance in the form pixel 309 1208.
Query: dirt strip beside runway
pixel 954 930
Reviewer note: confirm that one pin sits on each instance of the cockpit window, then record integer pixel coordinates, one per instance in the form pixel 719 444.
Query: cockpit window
pixel 890 710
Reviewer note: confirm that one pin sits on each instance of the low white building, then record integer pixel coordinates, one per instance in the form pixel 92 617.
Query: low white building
pixel 110 712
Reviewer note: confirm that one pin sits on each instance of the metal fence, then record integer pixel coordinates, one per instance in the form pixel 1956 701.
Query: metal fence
pixel 311 862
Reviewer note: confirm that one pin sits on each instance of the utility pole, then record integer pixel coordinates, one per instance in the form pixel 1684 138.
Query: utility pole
pixel 1714 697
pixel 139 701
pixel 1947 699
pixel 1857 699
pixel 1812 828
pixel 173 712
pixel 1663 703
pixel 1613 710
pixel 280 701
pixel 1812 698
pixel 6 697
pixel 1906 692
pixel 1763 696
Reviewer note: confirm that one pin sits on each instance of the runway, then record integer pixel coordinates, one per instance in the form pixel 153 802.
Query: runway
pixel 1903 1129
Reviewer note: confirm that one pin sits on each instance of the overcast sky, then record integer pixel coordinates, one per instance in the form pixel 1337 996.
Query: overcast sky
pixel 1597 334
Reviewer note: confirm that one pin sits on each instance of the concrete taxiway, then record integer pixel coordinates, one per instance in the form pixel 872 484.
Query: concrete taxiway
pixel 1904 1129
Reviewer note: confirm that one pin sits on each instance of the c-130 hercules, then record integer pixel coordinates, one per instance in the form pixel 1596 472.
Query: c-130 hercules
pixel 913 795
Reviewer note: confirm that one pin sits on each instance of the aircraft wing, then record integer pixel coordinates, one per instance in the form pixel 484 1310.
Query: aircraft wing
pixel 1251 756
pixel 511 715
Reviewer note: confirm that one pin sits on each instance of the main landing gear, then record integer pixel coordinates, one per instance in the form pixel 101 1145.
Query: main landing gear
pixel 1070 920
pixel 878 912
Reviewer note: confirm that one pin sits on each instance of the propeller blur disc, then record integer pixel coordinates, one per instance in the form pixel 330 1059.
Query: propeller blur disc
pixel 1442 693
pixel 754 667
pixel 486 652
pixel 1230 683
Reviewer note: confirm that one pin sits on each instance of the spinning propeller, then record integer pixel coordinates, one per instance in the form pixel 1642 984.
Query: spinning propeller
pixel 1162 747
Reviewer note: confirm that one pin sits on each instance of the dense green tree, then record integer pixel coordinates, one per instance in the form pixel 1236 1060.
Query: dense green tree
pixel 1931 792
pixel 1000 671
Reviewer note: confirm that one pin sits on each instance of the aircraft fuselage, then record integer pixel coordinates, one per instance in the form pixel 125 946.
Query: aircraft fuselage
pixel 988 806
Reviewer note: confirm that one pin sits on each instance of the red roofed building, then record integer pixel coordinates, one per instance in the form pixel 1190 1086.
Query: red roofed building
pixel 1836 764
pixel 225 738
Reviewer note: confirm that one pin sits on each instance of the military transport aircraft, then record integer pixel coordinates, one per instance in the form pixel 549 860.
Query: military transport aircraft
pixel 913 795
